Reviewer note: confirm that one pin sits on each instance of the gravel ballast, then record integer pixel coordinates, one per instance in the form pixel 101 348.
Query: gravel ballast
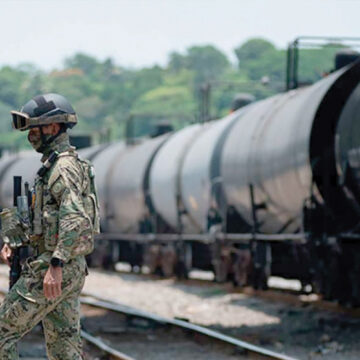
pixel 298 331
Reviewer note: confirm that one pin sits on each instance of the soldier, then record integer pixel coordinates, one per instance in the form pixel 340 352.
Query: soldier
pixel 64 220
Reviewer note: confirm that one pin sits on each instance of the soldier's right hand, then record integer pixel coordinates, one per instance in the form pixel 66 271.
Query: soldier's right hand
pixel 6 254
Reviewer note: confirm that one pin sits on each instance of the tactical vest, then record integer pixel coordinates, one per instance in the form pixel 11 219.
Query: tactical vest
pixel 45 210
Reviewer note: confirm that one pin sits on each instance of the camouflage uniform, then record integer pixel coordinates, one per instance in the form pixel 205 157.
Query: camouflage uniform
pixel 64 230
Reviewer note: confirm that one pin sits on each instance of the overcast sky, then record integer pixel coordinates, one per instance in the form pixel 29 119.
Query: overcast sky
pixel 143 32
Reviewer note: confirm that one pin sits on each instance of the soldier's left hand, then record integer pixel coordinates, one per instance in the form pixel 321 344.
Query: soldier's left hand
pixel 52 282
pixel 13 230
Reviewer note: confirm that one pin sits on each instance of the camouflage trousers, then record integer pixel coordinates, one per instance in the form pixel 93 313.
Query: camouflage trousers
pixel 25 306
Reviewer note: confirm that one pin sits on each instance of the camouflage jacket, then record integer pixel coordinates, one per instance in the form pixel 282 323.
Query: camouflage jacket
pixel 65 207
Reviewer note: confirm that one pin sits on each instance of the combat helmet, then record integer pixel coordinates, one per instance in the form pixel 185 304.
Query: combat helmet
pixel 44 110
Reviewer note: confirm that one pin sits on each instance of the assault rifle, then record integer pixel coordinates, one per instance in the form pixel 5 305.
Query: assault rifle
pixel 22 205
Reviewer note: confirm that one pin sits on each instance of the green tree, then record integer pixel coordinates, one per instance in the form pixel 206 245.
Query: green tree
pixel 207 62
pixel 177 62
pixel 258 58
pixel 166 100
pixel 253 49
pixel 86 63
pixel 313 63
pixel 11 81
pixel 91 112
pixel 104 94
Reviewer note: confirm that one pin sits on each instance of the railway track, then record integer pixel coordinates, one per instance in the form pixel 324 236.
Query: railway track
pixel 115 338
pixel 164 326
pixel 246 349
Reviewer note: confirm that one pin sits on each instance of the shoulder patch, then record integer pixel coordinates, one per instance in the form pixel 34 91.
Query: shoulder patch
pixel 57 187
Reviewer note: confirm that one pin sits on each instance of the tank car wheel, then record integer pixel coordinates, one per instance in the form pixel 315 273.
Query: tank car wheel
pixel 184 264
pixel 101 256
pixel 136 257
pixel 110 257
pixel 222 267
pixel 220 271
pixel 221 262
pixel 242 267
pixel 152 259
pixel 260 279
pixel 169 260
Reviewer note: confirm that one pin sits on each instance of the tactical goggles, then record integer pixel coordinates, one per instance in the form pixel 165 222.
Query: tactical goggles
pixel 22 121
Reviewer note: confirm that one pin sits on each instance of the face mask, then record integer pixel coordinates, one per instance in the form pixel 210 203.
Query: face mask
pixel 38 141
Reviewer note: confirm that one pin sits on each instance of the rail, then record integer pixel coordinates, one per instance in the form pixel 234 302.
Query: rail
pixel 112 353
pixel 95 301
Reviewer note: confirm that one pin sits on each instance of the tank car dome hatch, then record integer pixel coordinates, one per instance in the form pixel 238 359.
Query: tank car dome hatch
pixel 161 129
pixel 240 100
pixel 345 57
pixel 81 141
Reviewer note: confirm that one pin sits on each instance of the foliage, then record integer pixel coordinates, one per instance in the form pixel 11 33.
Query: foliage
pixel 105 94
pixel 257 55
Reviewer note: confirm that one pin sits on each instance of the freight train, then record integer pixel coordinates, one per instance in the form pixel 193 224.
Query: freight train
pixel 271 189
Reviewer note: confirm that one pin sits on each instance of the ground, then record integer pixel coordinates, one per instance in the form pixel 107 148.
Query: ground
pixel 299 331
